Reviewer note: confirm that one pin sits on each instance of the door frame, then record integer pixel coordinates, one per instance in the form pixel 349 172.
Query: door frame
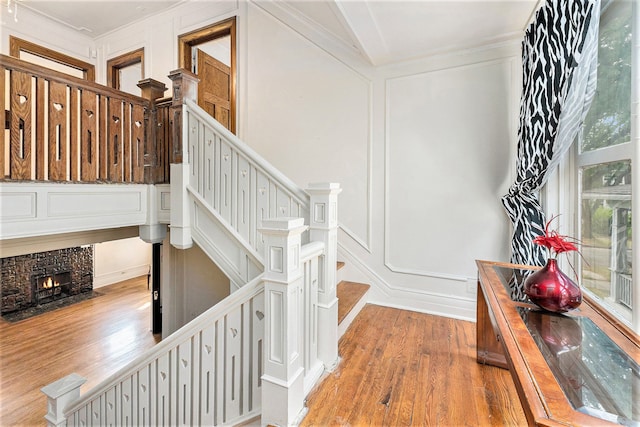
pixel 206 34
pixel 115 64
pixel 17 45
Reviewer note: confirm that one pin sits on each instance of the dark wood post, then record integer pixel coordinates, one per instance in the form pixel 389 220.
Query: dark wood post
pixel 185 86
pixel 152 90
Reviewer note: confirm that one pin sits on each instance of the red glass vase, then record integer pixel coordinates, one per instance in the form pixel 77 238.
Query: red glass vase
pixel 553 290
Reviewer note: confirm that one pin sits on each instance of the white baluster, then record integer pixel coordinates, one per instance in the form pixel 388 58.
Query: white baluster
pixel 185 384
pixel 233 363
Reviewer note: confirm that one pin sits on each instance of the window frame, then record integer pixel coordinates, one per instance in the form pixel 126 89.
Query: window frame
pixel 565 185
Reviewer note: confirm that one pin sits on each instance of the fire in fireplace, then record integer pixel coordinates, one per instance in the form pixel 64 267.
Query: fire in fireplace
pixel 49 287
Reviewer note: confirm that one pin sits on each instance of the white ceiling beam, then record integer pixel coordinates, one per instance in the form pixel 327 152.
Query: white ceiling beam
pixel 364 27
pixel 290 16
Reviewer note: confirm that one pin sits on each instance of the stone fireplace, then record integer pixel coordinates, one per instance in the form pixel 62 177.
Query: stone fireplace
pixel 32 280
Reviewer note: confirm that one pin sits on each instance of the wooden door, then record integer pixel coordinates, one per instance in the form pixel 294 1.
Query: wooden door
pixel 214 88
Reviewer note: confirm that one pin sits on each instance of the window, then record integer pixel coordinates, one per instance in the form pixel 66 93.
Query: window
pixel 604 164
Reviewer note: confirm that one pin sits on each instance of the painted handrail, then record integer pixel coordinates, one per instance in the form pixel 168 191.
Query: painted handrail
pixel 253 157
pixel 238 184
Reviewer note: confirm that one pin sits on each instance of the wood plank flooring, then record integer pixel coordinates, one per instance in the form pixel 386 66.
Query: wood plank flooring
pixel 402 368
pixel 92 338
pixel 398 368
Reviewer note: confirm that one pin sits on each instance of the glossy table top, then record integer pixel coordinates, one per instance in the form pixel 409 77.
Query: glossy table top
pixel 597 377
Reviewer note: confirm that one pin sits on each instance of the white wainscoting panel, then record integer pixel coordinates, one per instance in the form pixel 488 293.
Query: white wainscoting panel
pixel 164 203
pixel 89 203
pixel 17 205
pixel 35 209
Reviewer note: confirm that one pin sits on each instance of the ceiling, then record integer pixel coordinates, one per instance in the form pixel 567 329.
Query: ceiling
pixel 96 17
pixel 382 31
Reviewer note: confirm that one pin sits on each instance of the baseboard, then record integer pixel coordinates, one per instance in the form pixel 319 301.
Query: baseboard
pixel 385 294
pixel 110 278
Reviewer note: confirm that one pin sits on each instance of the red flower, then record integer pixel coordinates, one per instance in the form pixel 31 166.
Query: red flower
pixel 554 241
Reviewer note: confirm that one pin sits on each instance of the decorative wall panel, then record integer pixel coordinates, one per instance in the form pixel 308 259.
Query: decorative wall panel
pixel 37 209
pixel 447 164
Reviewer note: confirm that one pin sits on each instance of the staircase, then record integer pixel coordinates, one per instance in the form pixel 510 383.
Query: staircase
pixel 259 352
pixel 351 299
pixel 256 354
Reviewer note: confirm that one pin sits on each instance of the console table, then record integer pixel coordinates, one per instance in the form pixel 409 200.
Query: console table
pixel 579 368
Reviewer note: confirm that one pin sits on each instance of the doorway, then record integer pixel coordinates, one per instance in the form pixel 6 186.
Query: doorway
pixel 125 71
pixel 40 55
pixel 210 53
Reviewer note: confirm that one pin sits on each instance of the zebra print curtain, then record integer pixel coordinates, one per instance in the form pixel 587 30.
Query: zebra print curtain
pixel 559 54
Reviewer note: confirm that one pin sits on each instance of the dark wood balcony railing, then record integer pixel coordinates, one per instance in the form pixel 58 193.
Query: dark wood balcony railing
pixel 62 128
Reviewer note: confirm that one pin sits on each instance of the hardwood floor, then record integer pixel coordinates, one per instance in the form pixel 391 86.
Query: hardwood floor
pixel 92 338
pixel 398 368
pixel 402 368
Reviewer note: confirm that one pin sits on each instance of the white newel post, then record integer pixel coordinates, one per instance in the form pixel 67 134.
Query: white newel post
pixel 59 394
pixel 185 86
pixel 323 225
pixel 283 379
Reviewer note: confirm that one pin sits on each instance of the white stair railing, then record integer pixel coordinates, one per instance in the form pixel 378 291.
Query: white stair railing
pixel 221 189
pixel 270 340
pixel 206 373
pixel 211 371
pixel 231 189
pixel 225 192
pixel 240 186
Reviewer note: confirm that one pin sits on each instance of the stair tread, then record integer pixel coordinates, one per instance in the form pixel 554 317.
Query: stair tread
pixel 349 293
pixel 339 265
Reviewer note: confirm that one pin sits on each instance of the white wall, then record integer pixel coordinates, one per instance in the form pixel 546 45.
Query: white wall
pixel 45 32
pixel 423 149
pixel 120 260
pixel 303 103
pixel 207 284
pixel 447 161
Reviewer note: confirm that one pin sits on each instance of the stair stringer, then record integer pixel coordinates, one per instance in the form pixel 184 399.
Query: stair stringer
pixel 229 251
